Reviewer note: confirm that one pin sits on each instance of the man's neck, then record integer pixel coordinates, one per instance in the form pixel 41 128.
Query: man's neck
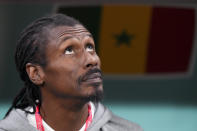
pixel 64 114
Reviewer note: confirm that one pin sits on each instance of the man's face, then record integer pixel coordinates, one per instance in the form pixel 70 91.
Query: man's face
pixel 73 67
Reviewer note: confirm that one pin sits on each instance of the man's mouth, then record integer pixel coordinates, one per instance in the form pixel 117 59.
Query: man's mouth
pixel 93 78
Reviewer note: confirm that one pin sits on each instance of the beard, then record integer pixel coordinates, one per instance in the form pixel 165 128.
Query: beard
pixel 96 97
pixel 98 94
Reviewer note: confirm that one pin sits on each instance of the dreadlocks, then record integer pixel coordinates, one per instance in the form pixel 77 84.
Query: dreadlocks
pixel 30 48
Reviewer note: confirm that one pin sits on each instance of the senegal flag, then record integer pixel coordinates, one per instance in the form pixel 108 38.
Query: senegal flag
pixel 139 39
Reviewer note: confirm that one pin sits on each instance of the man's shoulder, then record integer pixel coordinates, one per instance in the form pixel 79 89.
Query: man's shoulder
pixel 16 121
pixel 1 126
pixel 108 121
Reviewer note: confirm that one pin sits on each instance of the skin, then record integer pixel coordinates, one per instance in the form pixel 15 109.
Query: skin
pixel 70 54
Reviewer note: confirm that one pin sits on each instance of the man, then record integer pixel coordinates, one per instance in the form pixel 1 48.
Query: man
pixel 55 57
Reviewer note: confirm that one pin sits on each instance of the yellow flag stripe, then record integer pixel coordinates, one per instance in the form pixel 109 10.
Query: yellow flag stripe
pixel 124 58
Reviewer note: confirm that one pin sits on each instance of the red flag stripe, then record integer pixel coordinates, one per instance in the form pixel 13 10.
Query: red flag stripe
pixel 171 40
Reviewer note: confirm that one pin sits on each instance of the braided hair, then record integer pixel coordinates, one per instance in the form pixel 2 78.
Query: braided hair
pixel 30 48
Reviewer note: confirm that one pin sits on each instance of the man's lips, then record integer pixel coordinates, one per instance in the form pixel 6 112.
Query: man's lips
pixel 93 78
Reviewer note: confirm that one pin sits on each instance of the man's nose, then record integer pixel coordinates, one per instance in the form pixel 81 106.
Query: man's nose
pixel 91 60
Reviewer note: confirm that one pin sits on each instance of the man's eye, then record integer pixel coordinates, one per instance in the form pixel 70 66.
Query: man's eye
pixel 69 50
pixel 89 47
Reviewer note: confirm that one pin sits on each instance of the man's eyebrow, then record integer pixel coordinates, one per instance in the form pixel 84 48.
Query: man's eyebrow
pixel 90 35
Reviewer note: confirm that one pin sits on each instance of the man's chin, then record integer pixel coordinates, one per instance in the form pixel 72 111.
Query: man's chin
pixel 95 97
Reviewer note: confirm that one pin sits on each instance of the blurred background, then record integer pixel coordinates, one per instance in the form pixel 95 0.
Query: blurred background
pixel 148 51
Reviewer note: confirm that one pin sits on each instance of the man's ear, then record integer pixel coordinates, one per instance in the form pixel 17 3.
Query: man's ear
pixel 35 73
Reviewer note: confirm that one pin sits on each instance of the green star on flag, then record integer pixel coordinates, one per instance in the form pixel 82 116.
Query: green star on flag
pixel 124 38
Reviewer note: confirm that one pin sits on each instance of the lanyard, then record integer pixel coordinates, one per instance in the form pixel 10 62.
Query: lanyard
pixel 89 119
pixel 40 126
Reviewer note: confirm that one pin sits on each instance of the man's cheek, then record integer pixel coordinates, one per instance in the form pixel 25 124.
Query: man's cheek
pixel 74 71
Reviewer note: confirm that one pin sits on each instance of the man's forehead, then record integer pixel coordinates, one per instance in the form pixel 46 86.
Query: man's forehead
pixel 76 30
